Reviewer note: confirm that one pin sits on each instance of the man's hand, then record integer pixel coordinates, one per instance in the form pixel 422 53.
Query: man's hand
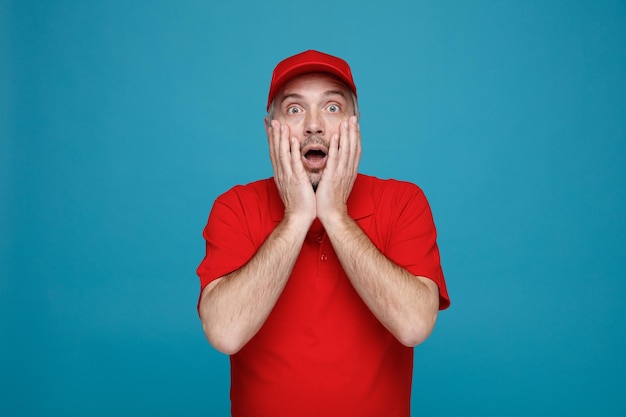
pixel 340 173
pixel 291 178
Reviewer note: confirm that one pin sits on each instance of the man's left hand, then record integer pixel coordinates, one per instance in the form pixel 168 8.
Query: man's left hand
pixel 341 169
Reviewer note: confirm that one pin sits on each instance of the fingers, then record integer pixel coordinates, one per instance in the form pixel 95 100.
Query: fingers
pixel 345 145
pixel 345 148
pixel 280 148
pixel 354 134
pixel 271 142
pixel 333 153
pixel 284 149
pixel 296 161
pixel 285 152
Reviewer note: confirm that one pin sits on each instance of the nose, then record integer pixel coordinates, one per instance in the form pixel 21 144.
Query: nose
pixel 313 124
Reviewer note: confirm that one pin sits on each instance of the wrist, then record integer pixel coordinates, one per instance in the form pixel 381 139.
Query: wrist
pixel 335 220
pixel 297 221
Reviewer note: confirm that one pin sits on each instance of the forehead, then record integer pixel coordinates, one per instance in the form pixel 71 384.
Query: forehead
pixel 314 83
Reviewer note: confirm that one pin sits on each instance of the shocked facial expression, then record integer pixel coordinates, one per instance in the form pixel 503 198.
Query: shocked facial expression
pixel 313 107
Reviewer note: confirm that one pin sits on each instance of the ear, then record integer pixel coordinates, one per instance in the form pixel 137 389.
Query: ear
pixel 268 125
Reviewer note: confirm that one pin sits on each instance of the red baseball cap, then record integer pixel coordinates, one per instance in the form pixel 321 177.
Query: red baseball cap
pixel 305 62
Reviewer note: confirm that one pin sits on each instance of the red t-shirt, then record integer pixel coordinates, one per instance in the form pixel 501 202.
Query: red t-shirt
pixel 321 352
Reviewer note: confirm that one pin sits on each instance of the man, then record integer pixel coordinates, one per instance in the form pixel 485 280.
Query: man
pixel 319 281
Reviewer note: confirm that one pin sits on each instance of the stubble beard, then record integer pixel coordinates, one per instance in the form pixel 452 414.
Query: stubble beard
pixel 315 140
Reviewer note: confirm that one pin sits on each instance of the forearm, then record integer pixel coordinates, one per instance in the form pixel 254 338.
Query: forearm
pixel 405 304
pixel 233 309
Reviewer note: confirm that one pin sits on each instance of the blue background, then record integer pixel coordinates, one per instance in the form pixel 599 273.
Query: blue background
pixel 121 122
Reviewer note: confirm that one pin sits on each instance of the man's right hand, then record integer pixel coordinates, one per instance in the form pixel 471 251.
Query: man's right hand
pixel 290 176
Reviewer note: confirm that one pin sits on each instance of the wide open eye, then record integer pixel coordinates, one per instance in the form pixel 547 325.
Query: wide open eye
pixel 293 110
pixel 333 108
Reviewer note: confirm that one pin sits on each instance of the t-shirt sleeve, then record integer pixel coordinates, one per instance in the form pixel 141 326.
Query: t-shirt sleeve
pixel 228 242
pixel 412 243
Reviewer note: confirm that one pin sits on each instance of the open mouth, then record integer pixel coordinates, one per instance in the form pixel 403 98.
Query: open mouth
pixel 314 157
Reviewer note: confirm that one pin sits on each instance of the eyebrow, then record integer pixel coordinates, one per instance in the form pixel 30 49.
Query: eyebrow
pixel 335 92
pixel 288 96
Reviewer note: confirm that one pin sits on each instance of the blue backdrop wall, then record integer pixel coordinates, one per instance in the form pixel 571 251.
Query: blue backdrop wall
pixel 122 121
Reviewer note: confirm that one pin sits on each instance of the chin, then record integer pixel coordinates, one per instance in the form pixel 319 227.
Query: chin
pixel 315 178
